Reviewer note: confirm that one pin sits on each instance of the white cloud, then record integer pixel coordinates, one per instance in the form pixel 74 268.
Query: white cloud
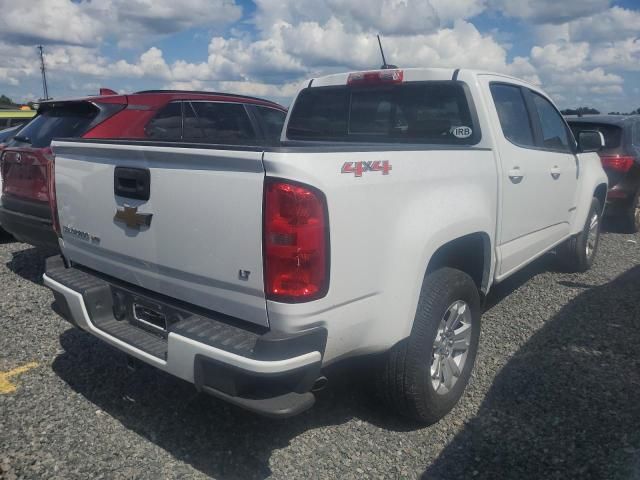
pixel 560 56
pixel 400 17
pixel 89 23
pixel 607 89
pixel 549 11
pixel 310 47
pixel 624 55
pixel 49 21
pixel 615 24
pixel 389 17
pixel 580 49
pixel 450 10
pixel 580 77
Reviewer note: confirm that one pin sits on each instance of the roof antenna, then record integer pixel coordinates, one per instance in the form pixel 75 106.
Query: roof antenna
pixel 385 65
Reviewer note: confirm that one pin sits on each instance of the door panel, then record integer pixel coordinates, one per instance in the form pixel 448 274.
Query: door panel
pixel 534 198
pixel 554 135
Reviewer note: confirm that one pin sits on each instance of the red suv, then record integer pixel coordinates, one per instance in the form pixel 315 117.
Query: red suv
pixel 154 115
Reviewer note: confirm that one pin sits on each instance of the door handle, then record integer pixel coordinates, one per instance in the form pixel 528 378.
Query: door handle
pixel 516 175
pixel 132 182
pixel 555 172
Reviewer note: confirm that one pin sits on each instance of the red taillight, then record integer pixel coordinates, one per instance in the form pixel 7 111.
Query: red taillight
pixel 376 77
pixel 295 242
pixel 51 184
pixel 619 163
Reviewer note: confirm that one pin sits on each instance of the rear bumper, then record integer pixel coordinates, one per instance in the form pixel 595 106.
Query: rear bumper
pixel 30 229
pixel 620 199
pixel 263 372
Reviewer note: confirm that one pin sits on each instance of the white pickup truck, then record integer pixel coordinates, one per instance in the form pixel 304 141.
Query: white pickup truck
pixel 395 201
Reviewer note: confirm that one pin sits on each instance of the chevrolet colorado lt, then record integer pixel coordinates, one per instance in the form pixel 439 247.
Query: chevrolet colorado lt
pixel 393 203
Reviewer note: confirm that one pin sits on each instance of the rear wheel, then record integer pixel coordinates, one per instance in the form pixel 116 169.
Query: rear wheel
pixel 425 375
pixel 578 253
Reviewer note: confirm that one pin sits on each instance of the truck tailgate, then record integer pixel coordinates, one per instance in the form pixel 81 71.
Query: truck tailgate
pixel 198 237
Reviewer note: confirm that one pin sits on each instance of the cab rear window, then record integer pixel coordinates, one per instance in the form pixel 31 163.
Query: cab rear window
pixel 434 112
pixel 67 121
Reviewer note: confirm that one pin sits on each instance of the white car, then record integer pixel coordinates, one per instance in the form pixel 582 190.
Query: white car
pixel 395 202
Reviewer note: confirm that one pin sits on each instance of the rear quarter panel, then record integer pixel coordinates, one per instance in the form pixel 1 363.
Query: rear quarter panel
pixel 383 231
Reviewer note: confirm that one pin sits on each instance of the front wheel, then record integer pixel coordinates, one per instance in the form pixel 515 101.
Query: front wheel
pixel 425 375
pixel 578 253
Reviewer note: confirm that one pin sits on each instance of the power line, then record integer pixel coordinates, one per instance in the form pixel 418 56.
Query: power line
pixel 43 69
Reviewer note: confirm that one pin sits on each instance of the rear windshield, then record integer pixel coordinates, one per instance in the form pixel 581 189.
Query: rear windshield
pixel 420 112
pixel 66 121
pixel 612 133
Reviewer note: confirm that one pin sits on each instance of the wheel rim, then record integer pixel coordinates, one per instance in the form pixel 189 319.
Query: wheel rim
pixel 592 237
pixel 451 347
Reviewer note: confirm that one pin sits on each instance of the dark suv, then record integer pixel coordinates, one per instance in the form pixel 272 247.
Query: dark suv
pixel 157 115
pixel 621 160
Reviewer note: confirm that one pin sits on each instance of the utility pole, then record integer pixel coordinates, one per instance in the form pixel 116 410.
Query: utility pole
pixel 44 73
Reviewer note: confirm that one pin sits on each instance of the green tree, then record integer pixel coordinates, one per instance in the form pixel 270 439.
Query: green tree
pixel 4 100
pixel 580 111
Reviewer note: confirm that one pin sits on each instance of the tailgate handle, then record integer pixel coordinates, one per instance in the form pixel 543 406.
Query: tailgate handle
pixel 132 183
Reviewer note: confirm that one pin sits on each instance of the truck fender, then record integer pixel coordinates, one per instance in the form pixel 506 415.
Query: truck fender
pixel 468 212
pixel 592 181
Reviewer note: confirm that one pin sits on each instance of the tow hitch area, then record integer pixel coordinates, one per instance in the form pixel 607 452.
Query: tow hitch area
pixel 150 317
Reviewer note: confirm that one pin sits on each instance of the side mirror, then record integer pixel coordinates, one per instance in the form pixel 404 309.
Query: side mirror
pixel 590 141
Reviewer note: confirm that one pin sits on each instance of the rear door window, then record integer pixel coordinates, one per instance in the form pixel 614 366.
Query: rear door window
pixel 192 129
pixel 221 123
pixel 554 129
pixel 272 121
pixel 167 123
pixel 67 121
pixel 432 112
pixel 513 114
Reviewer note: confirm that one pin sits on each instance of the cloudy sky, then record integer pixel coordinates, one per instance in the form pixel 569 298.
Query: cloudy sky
pixel 583 52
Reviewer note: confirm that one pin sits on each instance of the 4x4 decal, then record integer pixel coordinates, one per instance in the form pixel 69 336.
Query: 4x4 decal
pixel 358 168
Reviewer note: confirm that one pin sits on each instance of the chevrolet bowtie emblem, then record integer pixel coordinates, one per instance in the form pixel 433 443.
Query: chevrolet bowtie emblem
pixel 131 218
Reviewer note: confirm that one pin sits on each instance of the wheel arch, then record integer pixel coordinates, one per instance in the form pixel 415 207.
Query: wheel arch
pixel 592 183
pixel 469 253
pixel 601 194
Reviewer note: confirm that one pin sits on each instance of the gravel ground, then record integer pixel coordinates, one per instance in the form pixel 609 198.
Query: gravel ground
pixel 556 394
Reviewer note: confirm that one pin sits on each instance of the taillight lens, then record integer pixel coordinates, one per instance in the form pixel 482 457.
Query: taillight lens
pixel 619 163
pixel 51 180
pixel 295 242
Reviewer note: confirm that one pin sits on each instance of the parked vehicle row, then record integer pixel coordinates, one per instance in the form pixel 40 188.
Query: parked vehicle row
pixel 14 117
pixel 201 236
pixel 621 160
pixel 28 195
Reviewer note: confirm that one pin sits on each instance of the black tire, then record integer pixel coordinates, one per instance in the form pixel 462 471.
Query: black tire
pixel 405 382
pixel 573 254
pixel 631 217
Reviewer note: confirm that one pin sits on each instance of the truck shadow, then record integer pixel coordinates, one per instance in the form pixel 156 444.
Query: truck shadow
pixel 567 404
pixel 214 437
pixel 6 237
pixel 29 263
